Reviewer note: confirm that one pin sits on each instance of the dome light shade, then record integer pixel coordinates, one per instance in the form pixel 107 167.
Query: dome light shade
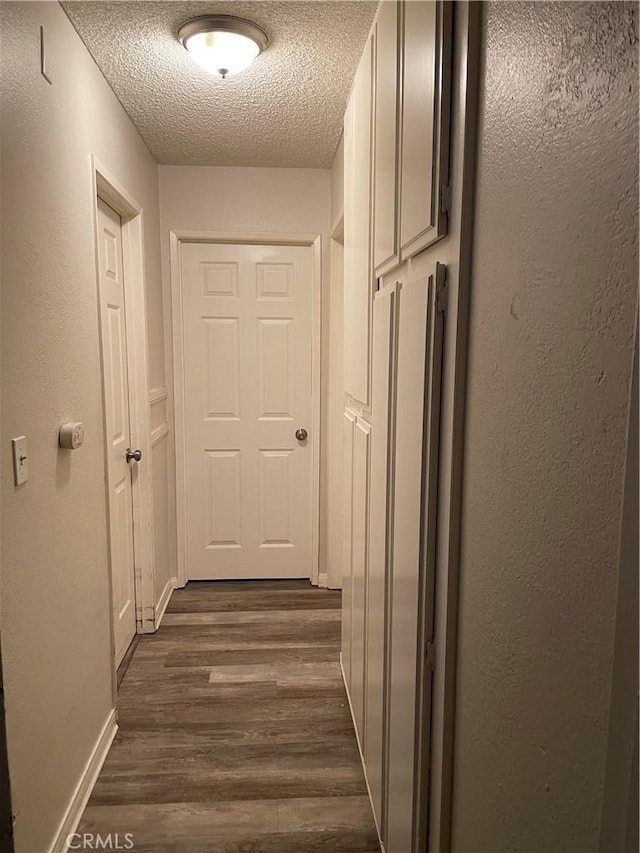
pixel 222 44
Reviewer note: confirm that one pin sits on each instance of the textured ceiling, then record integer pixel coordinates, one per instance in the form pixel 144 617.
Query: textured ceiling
pixel 285 110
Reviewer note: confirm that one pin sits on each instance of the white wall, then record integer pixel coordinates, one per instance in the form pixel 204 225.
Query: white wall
pixel 54 593
pixel 164 520
pixel 553 300
pixel 209 198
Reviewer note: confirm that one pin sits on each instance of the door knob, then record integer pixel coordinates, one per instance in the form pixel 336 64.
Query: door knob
pixel 301 434
pixel 133 455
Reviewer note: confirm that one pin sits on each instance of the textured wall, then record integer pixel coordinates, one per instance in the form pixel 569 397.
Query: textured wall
pixel 231 198
pixel 619 827
pixel 54 593
pixel 209 198
pixel 552 319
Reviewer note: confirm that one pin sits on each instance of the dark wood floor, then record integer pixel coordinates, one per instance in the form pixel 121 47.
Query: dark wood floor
pixel 235 734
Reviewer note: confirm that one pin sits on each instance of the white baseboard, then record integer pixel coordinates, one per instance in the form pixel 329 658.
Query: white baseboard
pixel 322 580
pixel 364 766
pixel 84 788
pixel 161 606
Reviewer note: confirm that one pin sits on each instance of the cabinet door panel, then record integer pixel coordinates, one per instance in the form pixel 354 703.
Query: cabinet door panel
pixel 347 560
pixel 426 87
pixel 360 552
pixel 385 242
pixel 358 279
pixel 426 593
pixel 405 564
pixel 379 517
pixel 419 349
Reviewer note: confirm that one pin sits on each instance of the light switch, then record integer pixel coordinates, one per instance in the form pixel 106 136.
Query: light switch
pixel 20 469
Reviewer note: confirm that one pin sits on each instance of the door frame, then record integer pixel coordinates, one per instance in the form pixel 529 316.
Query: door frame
pixel 176 238
pixel 107 187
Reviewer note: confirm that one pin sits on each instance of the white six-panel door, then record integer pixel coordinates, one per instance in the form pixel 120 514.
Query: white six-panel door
pixel 114 366
pixel 247 331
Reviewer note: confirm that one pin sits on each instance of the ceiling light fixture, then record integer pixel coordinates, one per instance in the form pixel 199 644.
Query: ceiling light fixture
pixel 222 44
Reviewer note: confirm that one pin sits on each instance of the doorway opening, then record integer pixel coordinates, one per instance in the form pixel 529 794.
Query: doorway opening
pixel 123 345
pixel 246 359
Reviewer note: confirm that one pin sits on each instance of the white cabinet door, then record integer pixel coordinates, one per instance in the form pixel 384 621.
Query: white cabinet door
pixel 360 520
pixel 379 521
pixel 419 349
pixel 426 86
pixel 347 527
pixel 333 441
pixel 118 437
pixel 426 597
pixel 358 279
pixel 385 147
pixel 247 319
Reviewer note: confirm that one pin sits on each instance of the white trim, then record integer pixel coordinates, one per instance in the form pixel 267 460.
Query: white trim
pixel 108 188
pixel 323 580
pixel 164 601
pixel 157 395
pixel 316 367
pixel 364 766
pixel 176 238
pixel 177 353
pixel 337 228
pixel 263 238
pixel 159 433
pixel 83 790
pixel 113 192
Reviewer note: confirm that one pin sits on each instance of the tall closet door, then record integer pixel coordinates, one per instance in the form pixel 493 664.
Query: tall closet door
pixel 361 448
pixel 426 592
pixel 379 522
pixel 348 425
pixel 419 349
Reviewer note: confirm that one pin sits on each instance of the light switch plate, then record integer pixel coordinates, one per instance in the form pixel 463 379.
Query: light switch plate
pixel 20 469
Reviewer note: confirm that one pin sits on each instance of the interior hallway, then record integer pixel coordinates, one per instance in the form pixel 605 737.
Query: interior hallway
pixel 465 175
pixel 235 733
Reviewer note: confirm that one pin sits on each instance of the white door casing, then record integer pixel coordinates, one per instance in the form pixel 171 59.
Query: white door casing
pixel 118 438
pixel 247 327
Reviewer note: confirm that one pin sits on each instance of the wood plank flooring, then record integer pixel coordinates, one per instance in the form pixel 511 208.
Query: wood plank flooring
pixel 235 733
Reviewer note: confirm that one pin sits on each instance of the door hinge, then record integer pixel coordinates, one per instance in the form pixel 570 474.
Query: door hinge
pixel 442 289
pixel 430 655
pixel 445 198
